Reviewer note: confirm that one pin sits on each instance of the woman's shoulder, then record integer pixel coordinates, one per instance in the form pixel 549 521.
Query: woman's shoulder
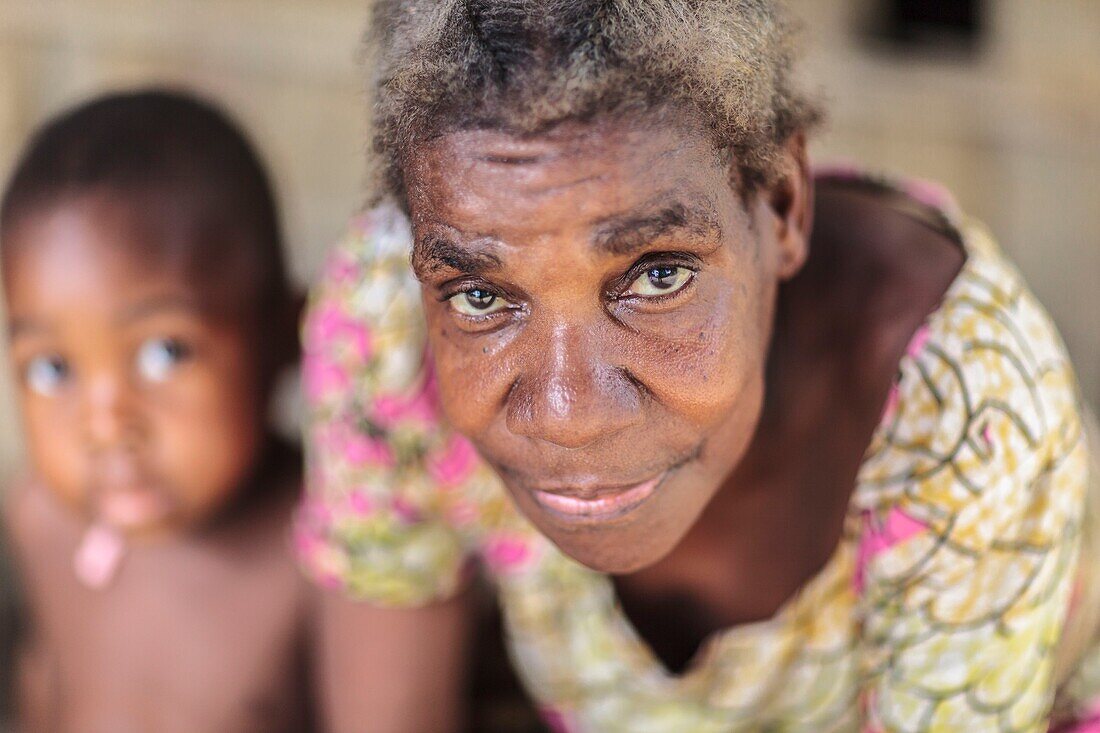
pixel 972 499
pixel 983 435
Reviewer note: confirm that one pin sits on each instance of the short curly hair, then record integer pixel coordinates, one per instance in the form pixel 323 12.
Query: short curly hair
pixel 527 65
pixel 181 163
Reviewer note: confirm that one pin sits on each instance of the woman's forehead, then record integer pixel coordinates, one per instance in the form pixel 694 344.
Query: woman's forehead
pixel 477 180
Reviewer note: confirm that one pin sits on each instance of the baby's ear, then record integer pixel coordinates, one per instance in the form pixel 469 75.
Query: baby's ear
pixel 282 344
pixel 296 306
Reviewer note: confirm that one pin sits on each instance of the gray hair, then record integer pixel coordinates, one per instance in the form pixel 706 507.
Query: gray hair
pixel 526 65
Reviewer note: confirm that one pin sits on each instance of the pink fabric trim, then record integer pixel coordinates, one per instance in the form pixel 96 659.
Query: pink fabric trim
pixel 555 720
pixel 877 538
pixel 504 553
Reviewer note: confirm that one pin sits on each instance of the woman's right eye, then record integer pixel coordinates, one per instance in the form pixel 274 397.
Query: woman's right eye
pixel 47 374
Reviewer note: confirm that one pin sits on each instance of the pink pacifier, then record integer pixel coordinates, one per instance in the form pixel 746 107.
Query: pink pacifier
pixel 98 557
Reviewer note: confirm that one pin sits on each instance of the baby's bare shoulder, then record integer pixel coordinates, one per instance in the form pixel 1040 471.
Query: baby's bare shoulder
pixel 37 528
pixel 260 537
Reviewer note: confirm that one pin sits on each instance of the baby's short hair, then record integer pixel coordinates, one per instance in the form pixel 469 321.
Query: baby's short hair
pixel 171 155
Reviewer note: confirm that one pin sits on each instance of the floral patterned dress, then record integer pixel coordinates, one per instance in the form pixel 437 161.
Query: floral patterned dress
pixel 957 599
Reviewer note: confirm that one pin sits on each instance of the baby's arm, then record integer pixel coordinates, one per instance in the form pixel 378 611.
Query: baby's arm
pixel 34 686
pixel 34 681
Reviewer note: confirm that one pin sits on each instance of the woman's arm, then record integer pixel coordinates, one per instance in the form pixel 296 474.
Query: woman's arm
pixel 391 628
pixel 392 670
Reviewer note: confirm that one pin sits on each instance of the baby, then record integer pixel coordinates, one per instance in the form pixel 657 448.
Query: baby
pixel 150 315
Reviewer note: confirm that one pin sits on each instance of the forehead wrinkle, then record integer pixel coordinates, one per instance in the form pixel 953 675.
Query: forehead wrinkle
pixel 535 175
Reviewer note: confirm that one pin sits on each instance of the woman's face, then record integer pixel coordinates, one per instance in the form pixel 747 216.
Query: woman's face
pixel 599 301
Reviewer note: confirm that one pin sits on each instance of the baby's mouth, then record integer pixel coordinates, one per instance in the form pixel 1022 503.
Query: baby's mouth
pixel 131 507
pixel 124 496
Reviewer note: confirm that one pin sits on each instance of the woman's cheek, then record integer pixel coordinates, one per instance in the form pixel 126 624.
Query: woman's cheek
pixel 472 374
pixel 697 361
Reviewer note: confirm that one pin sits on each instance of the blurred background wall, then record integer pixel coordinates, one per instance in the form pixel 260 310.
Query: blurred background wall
pixel 1003 106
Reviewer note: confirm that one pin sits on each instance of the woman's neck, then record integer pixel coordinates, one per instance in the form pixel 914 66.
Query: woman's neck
pixel 841 328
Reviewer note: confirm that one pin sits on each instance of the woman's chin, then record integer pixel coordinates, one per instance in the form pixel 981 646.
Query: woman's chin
pixel 620 532
pixel 614 550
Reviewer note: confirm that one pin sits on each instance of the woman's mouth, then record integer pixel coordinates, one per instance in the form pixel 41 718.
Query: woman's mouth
pixel 597 505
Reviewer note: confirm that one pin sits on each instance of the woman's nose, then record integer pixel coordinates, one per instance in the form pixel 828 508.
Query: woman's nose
pixel 569 394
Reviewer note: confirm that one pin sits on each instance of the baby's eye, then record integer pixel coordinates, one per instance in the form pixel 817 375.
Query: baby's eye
pixel 477 302
pixel 661 280
pixel 46 375
pixel 157 357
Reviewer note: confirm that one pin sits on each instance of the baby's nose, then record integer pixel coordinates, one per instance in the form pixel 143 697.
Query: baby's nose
pixel 110 413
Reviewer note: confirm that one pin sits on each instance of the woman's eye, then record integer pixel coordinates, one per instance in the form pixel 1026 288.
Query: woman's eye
pixel 46 375
pixel 662 280
pixel 157 357
pixel 477 302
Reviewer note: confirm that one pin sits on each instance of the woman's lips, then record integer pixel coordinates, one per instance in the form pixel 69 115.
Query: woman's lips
pixel 598 506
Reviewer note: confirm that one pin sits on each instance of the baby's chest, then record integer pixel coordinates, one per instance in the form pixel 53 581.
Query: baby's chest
pixel 178 660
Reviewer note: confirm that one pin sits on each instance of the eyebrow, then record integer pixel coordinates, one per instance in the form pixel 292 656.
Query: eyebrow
pixel 623 234
pixel 26 327
pixel 435 252
pixel 22 327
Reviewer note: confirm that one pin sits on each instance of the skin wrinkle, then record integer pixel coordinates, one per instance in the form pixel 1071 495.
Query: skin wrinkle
pixel 619 235
pixel 550 190
pixel 433 253
pixel 761 433
pixel 554 398
pixel 623 234
pixel 697 217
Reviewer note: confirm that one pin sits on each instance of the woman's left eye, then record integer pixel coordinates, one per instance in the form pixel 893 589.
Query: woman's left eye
pixel 157 357
pixel 660 280
pixel 478 302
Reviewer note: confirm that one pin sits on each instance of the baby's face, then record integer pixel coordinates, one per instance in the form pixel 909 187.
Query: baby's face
pixel 140 409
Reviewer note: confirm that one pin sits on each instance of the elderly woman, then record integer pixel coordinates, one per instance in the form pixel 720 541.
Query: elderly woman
pixel 739 447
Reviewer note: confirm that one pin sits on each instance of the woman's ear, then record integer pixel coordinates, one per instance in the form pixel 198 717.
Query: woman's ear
pixel 791 200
